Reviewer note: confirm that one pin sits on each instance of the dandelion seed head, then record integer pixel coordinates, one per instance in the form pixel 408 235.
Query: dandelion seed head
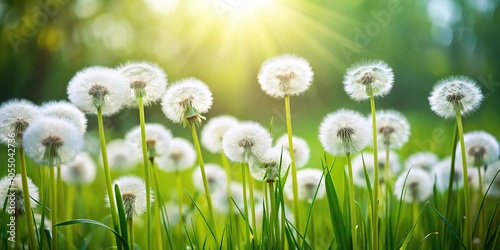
pixel 492 177
pixel 344 132
pixel 186 99
pixel 417 186
pixel 271 166
pixel 133 192
pixel 216 178
pixel 393 129
pixel 369 77
pixel 14 185
pixel 67 111
pixel 98 87
pixel 285 75
pixel 300 148
pixel 146 80
pixel 481 148
pixel 246 140
pixel 456 90
pixel 424 160
pixel 180 156
pixel 158 139
pixel 52 141
pixel 17 114
pixel 308 180
pixel 441 174
pixel 120 155
pixel 82 170
pixel 214 130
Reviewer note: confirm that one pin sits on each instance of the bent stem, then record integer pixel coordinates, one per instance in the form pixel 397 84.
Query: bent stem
pixel 27 201
pixel 376 178
pixel 468 223
pixel 112 201
pixel 352 207
pixel 192 126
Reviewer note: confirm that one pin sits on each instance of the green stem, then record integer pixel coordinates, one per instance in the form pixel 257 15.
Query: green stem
pixel 130 225
pixel 296 204
pixel 245 201
pixel 352 205
pixel 252 201
pixel 69 213
pixel 159 202
pixel 27 201
pixel 53 183
pixel 142 122
pixel 112 201
pixel 376 184
pixel 482 215
pixel 179 201
pixel 273 218
pixel 192 126
pixel 225 164
pixel 468 224
pixel 450 183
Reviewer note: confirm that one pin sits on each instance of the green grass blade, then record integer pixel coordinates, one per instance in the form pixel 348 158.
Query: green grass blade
pixel 204 218
pixel 121 212
pixel 448 224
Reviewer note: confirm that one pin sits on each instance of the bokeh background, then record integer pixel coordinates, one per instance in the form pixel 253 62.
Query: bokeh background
pixel 224 42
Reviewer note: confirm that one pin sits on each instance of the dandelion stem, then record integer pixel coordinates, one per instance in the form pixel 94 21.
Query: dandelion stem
pixel 451 181
pixel 159 201
pixel 112 201
pixel 130 225
pixel 468 224
pixel 352 206
pixel 245 201
pixel 252 200
pixel 482 214
pixel 27 202
pixel 274 212
pixel 192 126
pixel 376 184
pixel 296 204
pixel 53 183
pixel 180 193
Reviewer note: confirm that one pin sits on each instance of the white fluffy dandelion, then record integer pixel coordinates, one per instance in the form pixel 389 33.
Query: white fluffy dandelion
pixel 158 139
pixel 186 99
pixel 423 160
pixel 52 141
pixel 364 79
pixel 146 80
pixel 308 181
pixel 344 132
pixel 82 170
pixel 271 166
pixel 180 156
pixel 492 179
pixel 481 148
pixel 133 192
pixel 120 156
pixel 393 129
pixel 17 114
pixel 441 174
pixel 458 91
pixel 245 141
pixel 98 87
pixel 358 170
pixel 216 178
pixel 285 75
pixel 214 130
pixel 417 186
pixel 13 185
pixel 300 149
pixel 67 111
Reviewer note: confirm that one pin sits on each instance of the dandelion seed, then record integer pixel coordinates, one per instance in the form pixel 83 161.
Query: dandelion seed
pixel 272 165
pixel 146 80
pixel 245 141
pixel 441 174
pixel 158 139
pixel 66 111
pixel 481 148
pixel 458 91
pixel 187 100
pixel 133 192
pixel 9 186
pixel 216 178
pixel 423 160
pixel 417 186
pixel 307 183
pixel 393 130
pixel 358 170
pixel 285 75
pixel 120 155
pixel 81 170
pixel 344 132
pixel 17 114
pixel 300 148
pixel 52 141
pixel 214 130
pixel 368 78
pixel 98 87
pixel 180 156
pixel 492 177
